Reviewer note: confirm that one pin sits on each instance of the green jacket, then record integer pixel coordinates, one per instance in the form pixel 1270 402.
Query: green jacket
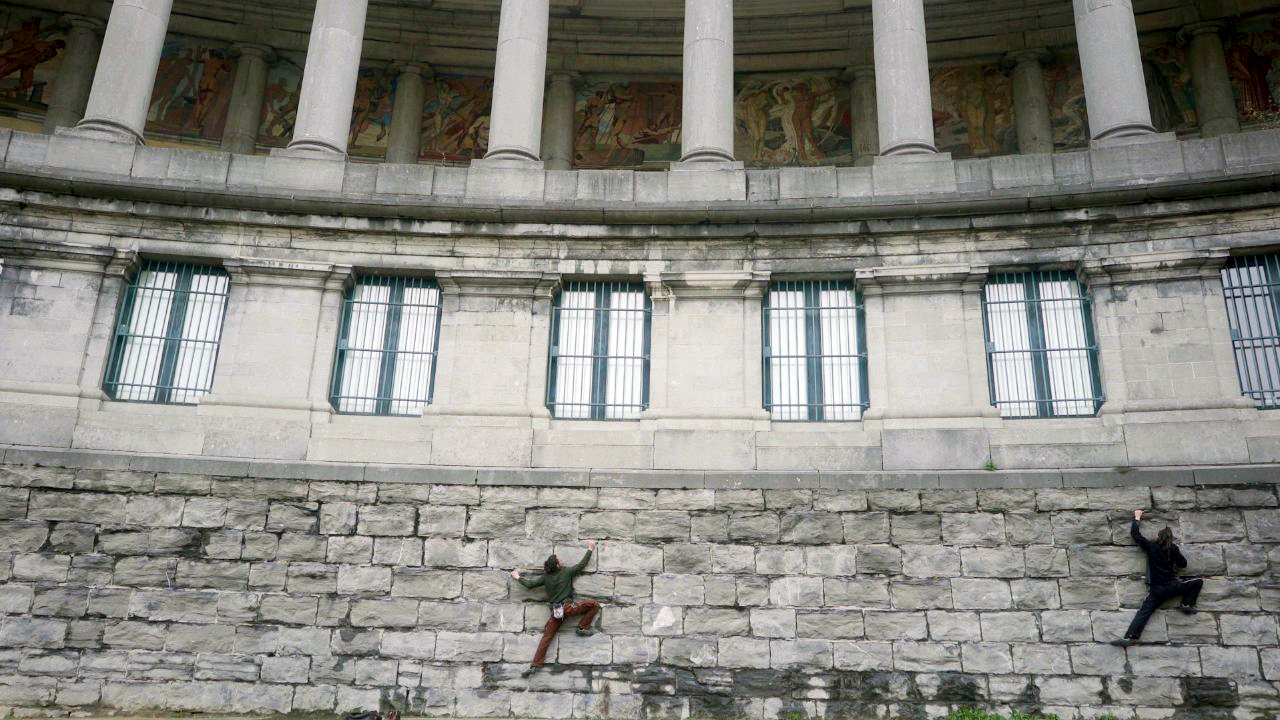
pixel 559 584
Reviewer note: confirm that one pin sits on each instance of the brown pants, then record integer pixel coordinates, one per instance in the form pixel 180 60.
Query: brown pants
pixel 586 608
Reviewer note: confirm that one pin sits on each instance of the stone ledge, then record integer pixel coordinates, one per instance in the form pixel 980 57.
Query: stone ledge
pixel 1124 174
pixel 647 479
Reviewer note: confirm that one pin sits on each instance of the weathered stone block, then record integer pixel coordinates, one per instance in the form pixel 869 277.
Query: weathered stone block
pixel 881 625
pixel 921 594
pixel 926 656
pixel 800 654
pixel 741 652
pixel 993 562
pixel 945 625
pixel 863 656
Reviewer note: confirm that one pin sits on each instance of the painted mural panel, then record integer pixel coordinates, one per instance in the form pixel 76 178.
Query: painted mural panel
pixel 1068 116
pixel 1253 63
pixel 193 89
pixel 1169 92
pixel 280 100
pixel 371 113
pixel 793 121
pixel 972 110
pixel 627 124
pixel 455 118
pixel 31 48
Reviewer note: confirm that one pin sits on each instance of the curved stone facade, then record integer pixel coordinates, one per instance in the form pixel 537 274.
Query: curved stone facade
pixel 882 416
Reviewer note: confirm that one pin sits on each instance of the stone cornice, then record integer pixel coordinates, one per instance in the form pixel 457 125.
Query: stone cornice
pixel 498 283
pixel 281 273
pixel 707 285
pixel 921 279
pixel 1151 267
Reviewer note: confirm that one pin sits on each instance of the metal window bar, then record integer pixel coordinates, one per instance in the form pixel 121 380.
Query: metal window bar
pixel 165 344
pixel 815 359
pixel 1251 287
pixel 1042 357
pixel 599 356
pixel 387 346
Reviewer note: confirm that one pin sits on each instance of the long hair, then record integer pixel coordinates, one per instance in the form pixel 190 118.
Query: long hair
pixel 553 564
pixel 1165 538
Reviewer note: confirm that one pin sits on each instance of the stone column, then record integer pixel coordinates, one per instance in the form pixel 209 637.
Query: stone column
pixel 1114 90
pixel 1215 102
pixel 1031 102
pixel 405 139
pixel 558 121
pixel 519 74
pixel 75 75
pixel 862 113
pixel 245 114
pixel 127 68
pixel 905 109
pixel 329 78
pixel 706 130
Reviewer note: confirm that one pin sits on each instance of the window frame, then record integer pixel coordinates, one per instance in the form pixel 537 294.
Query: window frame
pixel 1044 401
pixel 814 356
pixel 172 339
pixel 599 407
pixel 1270 265
pixel 384 399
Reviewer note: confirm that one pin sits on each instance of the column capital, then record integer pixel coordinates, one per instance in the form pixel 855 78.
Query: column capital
pixel 83 22
pixel 264 52
pixel 402 67
pixel 1017 57
pixel 858 72
pixel 574 77
pixel 1201 28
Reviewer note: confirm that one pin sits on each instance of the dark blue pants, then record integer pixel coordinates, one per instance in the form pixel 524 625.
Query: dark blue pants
pixel 1188 589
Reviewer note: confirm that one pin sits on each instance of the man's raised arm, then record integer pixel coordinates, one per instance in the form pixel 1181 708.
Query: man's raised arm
pixel 582 564
pixel 1136 533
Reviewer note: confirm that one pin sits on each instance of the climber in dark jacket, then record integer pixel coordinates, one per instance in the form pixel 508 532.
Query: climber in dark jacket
pixel 1163 562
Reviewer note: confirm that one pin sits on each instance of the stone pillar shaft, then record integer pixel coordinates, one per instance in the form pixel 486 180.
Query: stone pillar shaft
pixel 329 79
pixel 126 71
pixel 706 130
pixel 558 122
pixel 1215 102
pixel 405 138
pixel 1114 89
pixel 862 114
pixel 75 75
pixel 245 113
pixel 1031 103
pixel 519 75
pixel 905 109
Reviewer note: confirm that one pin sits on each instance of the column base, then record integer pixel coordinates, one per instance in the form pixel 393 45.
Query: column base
pixel 712 155
pixel 518 155
pixel 915 157
pixel 311 149
pixel 706 165
pixel 910 147
pixel 1128 133
pixel 103 129
pixel 508 161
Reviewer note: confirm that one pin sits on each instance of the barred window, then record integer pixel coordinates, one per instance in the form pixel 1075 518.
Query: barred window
pixel 166 337
pixel 1042 359
pixel 815 359
pixel 599 357
pixel 387 344
pixel 1251 286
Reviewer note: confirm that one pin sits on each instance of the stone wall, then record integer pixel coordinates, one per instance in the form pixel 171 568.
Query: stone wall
pixel 137 590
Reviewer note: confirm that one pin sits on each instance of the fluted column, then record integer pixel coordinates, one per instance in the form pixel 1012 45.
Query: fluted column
pixel 244 116
pixel 1031 102
pixel 519 74
pixel 862 113
pixel 706 129
pixel 1215 102
pixel 905 109
pixel 405 139
pixel 126 71
pixel 71 87
pixel 1114 90
pixel 558 121
pixel 329 78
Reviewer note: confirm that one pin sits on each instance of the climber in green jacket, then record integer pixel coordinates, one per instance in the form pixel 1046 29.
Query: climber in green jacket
pixel 558 581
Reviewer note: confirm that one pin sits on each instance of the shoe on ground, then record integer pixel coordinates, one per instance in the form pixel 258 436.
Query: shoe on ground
pixel 1188 609
pixel 1123 642
pixel 528 671
pixel 586 632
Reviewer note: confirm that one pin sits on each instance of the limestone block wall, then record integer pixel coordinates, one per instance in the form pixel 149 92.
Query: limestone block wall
pixel 214 590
